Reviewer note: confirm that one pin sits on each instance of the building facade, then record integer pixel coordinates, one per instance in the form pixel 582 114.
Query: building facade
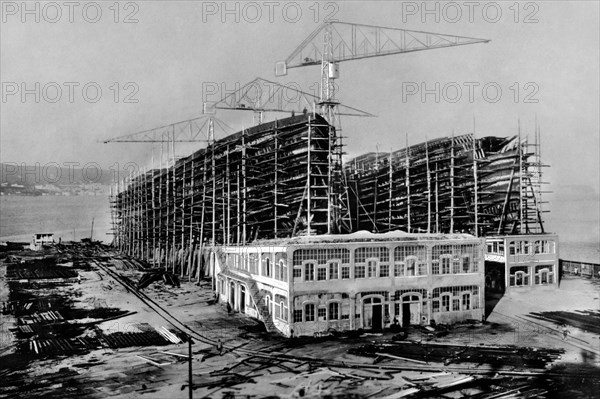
pixel 314 284
pixel 521 262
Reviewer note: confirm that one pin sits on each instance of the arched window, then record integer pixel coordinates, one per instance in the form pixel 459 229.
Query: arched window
pixel 466 301
pixel 445 261
pixel 334 311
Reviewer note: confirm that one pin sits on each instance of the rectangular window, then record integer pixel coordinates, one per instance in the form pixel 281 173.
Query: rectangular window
pixel 298 316
pixel 309 312
pixel 253 263
pixel 334 311
pixel 284 271
pixel 466 264
pixel 445 303
pixel 372 268
pixel 345 272
pixel 297 272
pixel 455 305
pixel 359 271
pixel 384 270
pixel 410 267
pixel 435 267
pixel 278 272
pixel 445 265
pixel 398 270
pixel 333 270
pixel 422 269
pixel 321 273
pixel 322 312
pixel 381 253
pixel 309 272
pixel 436 306
pixel 466 301
pixel 456 266
pixel 345 311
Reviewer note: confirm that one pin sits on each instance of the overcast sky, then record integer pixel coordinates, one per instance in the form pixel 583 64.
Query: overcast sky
pixel 174 50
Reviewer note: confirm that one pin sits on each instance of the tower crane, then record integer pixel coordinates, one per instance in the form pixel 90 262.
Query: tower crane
pixel 334 42
pixel 343 41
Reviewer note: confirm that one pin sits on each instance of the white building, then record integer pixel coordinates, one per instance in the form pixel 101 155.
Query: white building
pixel 40 239
pixel 521 262
pixel 354 281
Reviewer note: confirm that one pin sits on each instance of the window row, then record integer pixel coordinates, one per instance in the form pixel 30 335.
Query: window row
pixel 495 247
pixel 455 298
pixel 311 271
pixel 372 269
pixel 531 247
pixel 455 290
pixel 448 303
pixel 446 264
pixel 333 311
pixel 455 251
pixel 280 308
pixel 272 265
pixel 520 275
pixel 321 255
pixel 363 255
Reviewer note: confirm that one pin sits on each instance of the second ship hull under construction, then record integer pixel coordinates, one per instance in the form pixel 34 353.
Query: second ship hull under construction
pixel 485 186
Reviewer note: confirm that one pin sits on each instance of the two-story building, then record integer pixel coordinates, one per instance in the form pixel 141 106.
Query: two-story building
pixel 521 262
pixel 311 284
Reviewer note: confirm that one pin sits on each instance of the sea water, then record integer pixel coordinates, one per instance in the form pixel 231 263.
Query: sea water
pixel 67 217
pixel 70 217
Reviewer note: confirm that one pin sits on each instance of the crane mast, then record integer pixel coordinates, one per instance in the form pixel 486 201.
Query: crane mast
pixel 334 42
pixel 344 41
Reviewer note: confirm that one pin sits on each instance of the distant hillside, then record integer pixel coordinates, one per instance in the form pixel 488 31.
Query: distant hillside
pixel 52 179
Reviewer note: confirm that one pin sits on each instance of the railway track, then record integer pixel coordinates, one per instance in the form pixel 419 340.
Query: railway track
pixel 554 333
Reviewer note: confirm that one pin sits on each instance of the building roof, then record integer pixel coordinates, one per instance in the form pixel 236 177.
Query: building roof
pixel 363 236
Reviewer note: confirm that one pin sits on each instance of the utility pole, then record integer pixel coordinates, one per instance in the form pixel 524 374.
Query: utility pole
pixel 190 342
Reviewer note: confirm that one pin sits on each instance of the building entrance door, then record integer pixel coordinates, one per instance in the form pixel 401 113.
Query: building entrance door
pixel 242 299
pixel 232 295
pixel 411 310
pixel 373 313
pixel 544 276
pixel 377 317
pixel 405 314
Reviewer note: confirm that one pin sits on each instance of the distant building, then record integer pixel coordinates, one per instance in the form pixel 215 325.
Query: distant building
pixel 41 239
pixel 312 284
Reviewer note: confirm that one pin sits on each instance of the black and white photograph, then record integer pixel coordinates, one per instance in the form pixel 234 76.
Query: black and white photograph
pixel 300 199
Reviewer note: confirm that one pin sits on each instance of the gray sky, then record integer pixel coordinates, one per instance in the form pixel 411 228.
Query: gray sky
pixel 176 48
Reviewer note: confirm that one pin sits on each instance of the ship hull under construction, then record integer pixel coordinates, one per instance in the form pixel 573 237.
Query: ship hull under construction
pixel 270 181
pixel 284 179
pixel 459 184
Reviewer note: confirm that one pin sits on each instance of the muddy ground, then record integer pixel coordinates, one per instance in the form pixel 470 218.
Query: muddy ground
pixel 73 327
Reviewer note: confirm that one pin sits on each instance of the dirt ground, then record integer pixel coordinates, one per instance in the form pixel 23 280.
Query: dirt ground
pixel 254 364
